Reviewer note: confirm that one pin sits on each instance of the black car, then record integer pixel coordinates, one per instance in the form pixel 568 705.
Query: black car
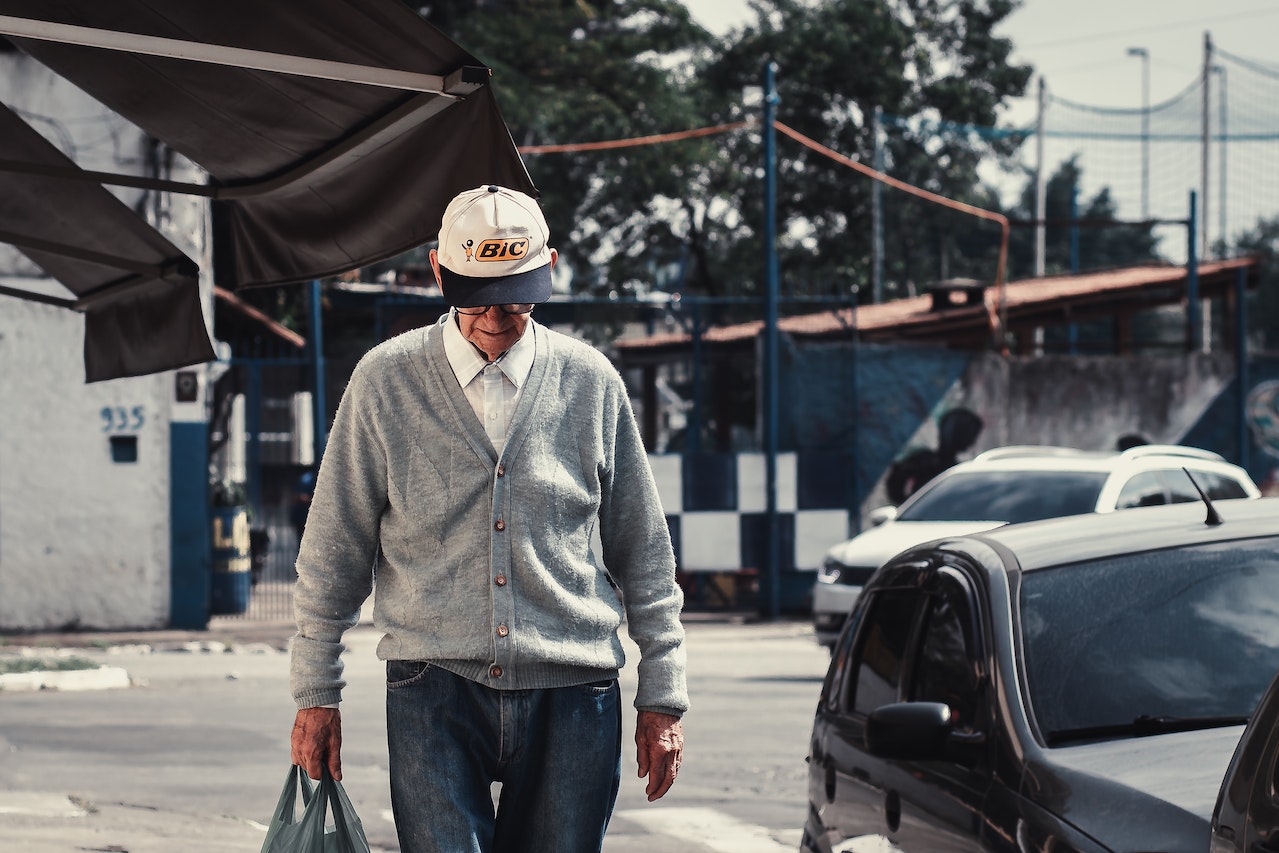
pixel 1247 816
pixel 1077 684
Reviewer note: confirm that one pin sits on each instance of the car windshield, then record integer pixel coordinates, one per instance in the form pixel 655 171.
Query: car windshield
pixel 1159 641
pixel 1011 496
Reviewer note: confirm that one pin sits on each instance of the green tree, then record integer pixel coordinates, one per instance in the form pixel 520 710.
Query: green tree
pixel 937 61
pixel 1100 245
pixel 582 70
pixel 1263 306
pixel 571 71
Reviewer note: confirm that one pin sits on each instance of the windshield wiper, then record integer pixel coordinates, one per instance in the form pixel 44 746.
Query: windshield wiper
pixel 1143 726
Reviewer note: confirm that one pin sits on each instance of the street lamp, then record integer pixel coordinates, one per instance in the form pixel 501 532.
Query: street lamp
pixel 1145 128
pixel 1221 204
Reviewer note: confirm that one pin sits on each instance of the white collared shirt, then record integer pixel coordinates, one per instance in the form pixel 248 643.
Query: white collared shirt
pixel 492 388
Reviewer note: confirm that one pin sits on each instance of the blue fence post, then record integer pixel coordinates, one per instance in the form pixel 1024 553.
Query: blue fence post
pixel 1193 333
pixel 189 536
pixel 772 553
pixel 693 428
pixel 1074 228
pixel 1241 361
pixel 253 433
pixel 319 406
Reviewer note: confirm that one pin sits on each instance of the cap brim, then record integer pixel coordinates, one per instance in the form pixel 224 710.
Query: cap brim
pixel 464 291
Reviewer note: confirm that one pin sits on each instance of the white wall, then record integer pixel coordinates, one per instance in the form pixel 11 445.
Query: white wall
pixel 84 541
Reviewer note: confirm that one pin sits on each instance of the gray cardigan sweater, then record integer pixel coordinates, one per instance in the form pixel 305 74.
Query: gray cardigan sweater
pixel 484 566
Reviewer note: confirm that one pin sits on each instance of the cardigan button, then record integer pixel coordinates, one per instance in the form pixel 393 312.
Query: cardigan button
pixel 495 671
pixel 500 525
pixel 501 470
pixel 500 580
pixel 502 630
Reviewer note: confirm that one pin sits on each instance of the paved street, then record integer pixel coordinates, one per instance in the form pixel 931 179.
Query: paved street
pixel 192 757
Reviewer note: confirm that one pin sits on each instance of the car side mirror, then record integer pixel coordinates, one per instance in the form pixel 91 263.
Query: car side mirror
pixel 921 731
pixel 879 515
pixel 909 731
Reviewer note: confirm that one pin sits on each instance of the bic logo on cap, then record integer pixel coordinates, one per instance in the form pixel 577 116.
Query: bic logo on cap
pixel 501 250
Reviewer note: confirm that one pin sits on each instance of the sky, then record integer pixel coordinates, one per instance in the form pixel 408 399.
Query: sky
pixel 1080 46
pixel 1080 50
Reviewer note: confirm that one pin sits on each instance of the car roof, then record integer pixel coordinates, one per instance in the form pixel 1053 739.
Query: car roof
pixel 1116 466
pixel 1050 458
pixel 1058 541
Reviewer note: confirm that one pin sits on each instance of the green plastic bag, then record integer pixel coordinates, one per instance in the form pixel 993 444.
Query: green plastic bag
pixel 308 834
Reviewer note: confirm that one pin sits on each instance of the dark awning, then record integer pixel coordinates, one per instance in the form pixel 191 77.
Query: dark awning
pixel 127 279
pixel 334 133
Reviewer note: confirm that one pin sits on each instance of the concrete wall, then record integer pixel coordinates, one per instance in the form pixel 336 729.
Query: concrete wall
pixel 1068 400
pixel 85 541
pixel 1089 402
pixel 848 419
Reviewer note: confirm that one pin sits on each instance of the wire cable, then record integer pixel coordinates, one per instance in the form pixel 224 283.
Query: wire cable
pixel 996 319
pixel 634 141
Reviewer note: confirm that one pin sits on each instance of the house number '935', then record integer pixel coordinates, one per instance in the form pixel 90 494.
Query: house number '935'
pixel 120 419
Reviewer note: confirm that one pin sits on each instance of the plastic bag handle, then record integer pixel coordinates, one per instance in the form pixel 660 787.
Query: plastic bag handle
pixel 349 830
pixel 307 833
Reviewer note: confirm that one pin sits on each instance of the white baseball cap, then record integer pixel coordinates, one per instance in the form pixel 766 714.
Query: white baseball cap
pixel 493 249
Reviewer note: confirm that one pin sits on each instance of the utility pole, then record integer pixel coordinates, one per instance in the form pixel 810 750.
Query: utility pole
pixel 877 212
pixel 320 433
pixel 772 553
pixel 1144 54
pixel 1041 186
pixel 1223 111
pixel 1204 334
pixel 1206 82
pixel 1194 325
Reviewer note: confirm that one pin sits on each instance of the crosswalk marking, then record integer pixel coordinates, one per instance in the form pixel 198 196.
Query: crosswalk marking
pixel 720 832
pixel 39 804
pixel 708 827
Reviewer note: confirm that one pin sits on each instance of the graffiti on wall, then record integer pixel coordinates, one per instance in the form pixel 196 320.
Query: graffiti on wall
pixel 1263 415
pixel 957 430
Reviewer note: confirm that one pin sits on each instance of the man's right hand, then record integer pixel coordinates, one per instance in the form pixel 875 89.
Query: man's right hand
pixel 317 741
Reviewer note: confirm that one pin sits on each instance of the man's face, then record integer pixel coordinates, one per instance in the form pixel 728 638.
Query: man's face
pixel 494 331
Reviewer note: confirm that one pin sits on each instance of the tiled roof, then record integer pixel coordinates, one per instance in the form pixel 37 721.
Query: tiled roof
pixel 1023 301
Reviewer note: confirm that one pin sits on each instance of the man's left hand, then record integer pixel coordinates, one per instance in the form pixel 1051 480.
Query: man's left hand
pixel 659 741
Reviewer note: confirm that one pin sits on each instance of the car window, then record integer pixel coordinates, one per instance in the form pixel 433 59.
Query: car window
pixel 947 668
pixel 1187 633
pixel 1171 485
pixel 834 688
pixel 1218 486
pixel 1181 490
pixel 1143 489
pixel 1011 496
pixel 881 650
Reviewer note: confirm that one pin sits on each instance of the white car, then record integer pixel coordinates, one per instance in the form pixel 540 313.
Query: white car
pixel 1007 485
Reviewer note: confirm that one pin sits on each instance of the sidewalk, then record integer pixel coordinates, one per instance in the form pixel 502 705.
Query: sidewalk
pixel 233 632
pixel 49 823
pixel 228 632
pixel 222 635
pixel 117 771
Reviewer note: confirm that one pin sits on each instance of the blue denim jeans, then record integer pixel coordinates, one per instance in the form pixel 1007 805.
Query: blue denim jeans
pixel 556 753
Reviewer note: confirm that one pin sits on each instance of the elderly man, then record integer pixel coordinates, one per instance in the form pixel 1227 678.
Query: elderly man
pixel 469 467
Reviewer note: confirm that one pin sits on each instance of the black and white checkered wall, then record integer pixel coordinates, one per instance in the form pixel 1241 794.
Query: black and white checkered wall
pixel 716 507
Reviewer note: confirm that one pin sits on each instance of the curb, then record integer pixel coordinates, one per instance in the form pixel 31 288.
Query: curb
pixel 102 678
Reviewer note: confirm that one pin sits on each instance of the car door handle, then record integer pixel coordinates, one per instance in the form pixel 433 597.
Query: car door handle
pixel 893 810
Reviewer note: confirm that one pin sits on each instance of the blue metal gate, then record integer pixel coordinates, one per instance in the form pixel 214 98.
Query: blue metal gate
pixel 269 401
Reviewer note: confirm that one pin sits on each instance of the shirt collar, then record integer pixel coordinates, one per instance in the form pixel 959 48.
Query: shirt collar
pixel 467 362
